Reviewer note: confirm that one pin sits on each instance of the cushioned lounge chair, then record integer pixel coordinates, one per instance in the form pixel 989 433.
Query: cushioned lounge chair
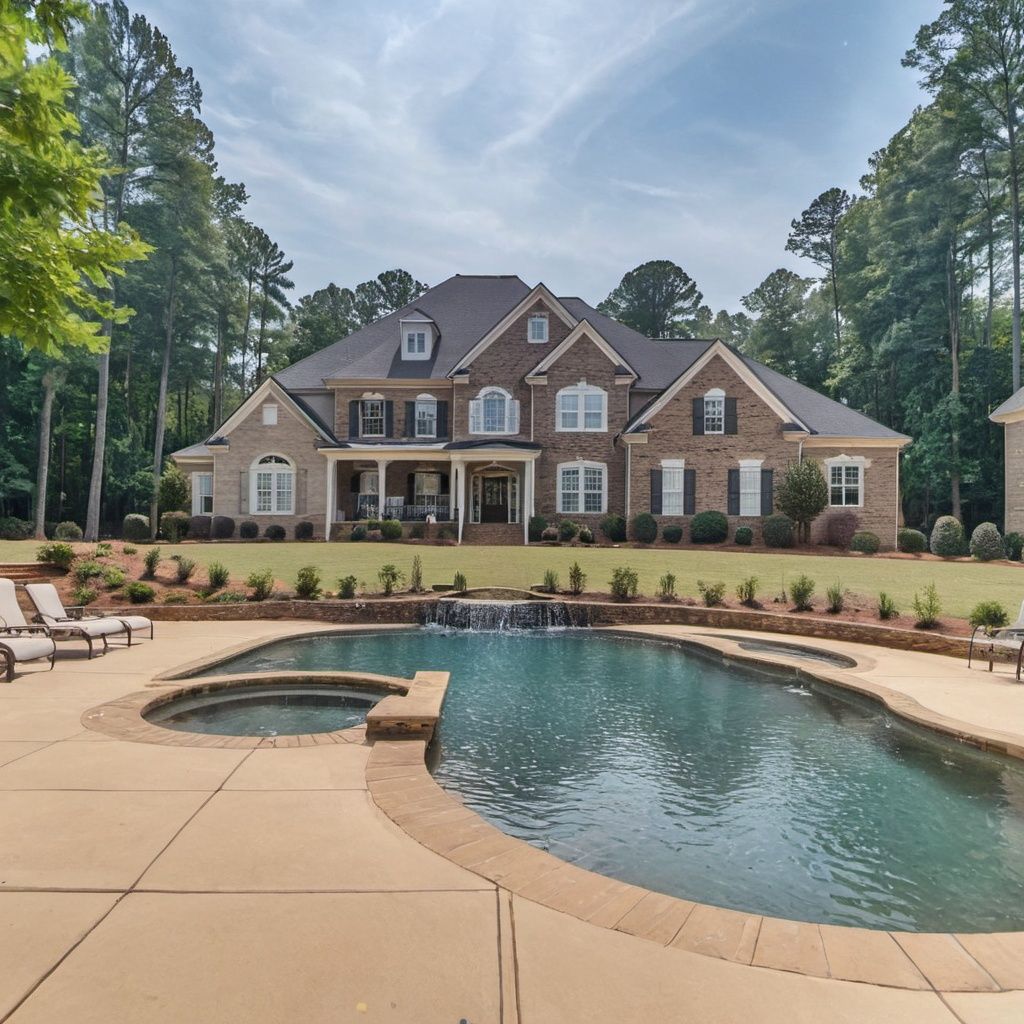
pixel 1007 642
pixel 19 640
pixel 71 623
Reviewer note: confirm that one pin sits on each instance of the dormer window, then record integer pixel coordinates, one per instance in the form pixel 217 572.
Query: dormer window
pixel 537 328
pixel 415 344
pixel 417 336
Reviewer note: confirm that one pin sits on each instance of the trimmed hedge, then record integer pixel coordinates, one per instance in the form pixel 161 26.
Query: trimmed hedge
pixel 778 531
pixel 538 524
pixel 947 539
pixel 174 526
pixel 613 526
pixel 1014 544
pixel 567 530
pixel 672 533
pixel 865 542
pixel 391 529
pixel 135 527
pixel 199 527
pixel 645 528
pixel 274 532
pixel 304 530
pixel 986 543
pixel 709 528
pixel 222 528
pixel 249 530
pixel 913 542
pixel 67 531
pixel 744 536
pixel 840 528
pixel 13 528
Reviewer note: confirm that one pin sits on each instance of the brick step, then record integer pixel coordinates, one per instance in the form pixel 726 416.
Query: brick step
pixel 492 533
pixel 29 572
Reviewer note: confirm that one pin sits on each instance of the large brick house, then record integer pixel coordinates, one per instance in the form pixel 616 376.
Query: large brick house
pixel 1011 415
pixel 487 401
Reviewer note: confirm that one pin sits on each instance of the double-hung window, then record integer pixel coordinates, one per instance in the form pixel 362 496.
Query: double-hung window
pixel 202 494
pixel 415 343
pixel 426 486
pixel 495 412
pixel 750 487
pixel 582 408
pixel 273 486
pixel 538 328
pixel 714 412
pixel 426 417
pixel 582 487
pixel 846 483
pixel 371 422
pixel 673 476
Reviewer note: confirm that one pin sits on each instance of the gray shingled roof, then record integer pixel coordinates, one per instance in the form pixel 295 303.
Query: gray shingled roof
pixel 1013 404
pixel 192 451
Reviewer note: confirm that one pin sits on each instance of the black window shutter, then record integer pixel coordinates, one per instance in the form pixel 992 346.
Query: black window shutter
pixel 300 492
pixel 767 491
pixel 698 416
pixel 410 488
pixel 730 416
pixel 389 419
pixel 442 419
pixel 410 419
pixel 655 492
pixel 353 418
pixel 444 483
pixel 243 492
pixel 689 492
pixel 734 492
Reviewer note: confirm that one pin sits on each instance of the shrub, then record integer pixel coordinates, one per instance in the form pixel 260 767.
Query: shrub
pixel 358 532
pixel 416 575
pixel 261 584
pixel 150 563
pixel 549 535
pixel 13 528
pixel 459 583
pixel 417 531
pixel 173 493
pixel 586 535
pixel 176 597
pixel 840 528
pixel 567 529
pixel 801 590
pixel 446 534
pixel 866 542
pixel 372 524
pixel 986 544
pixel 711 593
pixel 537 526
pixel 672 533
pixel 391 529
pixel 139 593
pixel 248 530
pixel 347 587
pixel 200 527
pixel 667 587
pixel 184 569
pixel 990 614
pixel 104 549
pixel 577 578
pixel 709 528
pixel 927 605
pixel 887 606
pixel 613 527
pixel 222 528
pixel 551 581
pixel 744 536
pixel 56 553
pixel 83 595
pixel 113 577
pixel 389 576
pixel 374 535
pixel 802 495
pixel 947 539
pixel 746 591
pixel 174 526
pixel 218 575
pixel 304 530
pixel 1014 544
pixel 913 542
pixel 307 583
pixel 274 532
pixel 135 527
pixel 230 597
pixel 778 531
pixel 67 531
pixel 624 583
pixel 645 528
pixel 129 549
pixel 835 598
pixel 86 570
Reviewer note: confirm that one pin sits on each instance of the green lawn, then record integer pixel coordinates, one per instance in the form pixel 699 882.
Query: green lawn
pixel 961 584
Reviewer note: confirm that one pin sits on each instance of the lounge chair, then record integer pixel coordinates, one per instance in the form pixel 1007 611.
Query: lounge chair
pixel 72 623
pixel 20 641
pixel 1007 642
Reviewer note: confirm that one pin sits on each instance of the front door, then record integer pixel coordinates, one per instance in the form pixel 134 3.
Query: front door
pixel 494 506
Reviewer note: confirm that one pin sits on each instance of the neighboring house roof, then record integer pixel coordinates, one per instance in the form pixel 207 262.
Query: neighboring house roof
pixel 1012 409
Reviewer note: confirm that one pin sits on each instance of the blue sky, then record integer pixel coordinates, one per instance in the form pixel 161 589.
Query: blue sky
pixel 562 141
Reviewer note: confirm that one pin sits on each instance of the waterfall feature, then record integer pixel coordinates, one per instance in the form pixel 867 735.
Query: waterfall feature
pixel 499 616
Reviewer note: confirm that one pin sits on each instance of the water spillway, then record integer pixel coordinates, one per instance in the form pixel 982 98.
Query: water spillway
pixel 498 616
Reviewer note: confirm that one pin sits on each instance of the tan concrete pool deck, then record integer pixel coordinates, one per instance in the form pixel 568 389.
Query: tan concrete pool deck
pixel 143 882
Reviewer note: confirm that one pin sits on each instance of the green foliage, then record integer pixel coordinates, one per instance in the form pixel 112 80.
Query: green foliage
pixel 174 526
pixel 304 530
pixel 549 535
pixel 139 593
pixel 658 299
pixel 86 570
pixel 199 527
pixel 567 529
pixel 927 607
pixel 390 576
pixel 104 549
pixel 184 569
pixel 347 587
pixel 672 534
pixel 260 584
pixel 613 526
pixel 913 542
pixel 56 553
pixel 712 594
pixel 275 532
pixel 990 614
pixel 67 531
pixel 248 530
pixel 129 549
pixel 12 528
pixel 222 528
pixel 174 493
pixel 586 535
pixel 358 532
pixel 113 577
pixel 645 528
pixel 887 606
pixel 986 543
pixel 835 598
pixel 307 583
pixel 229 597
pixel 459 584
pixel 801 590
pixel 840 528
pixel 151 560
pixel 217 575
pixel 176 597
pixel 866 542
pixel 709 528
pixel 1014 544
pixel 416 575
pixel 624 583
pixel 83 595
pixel 744 536
pixel 577 578
pixel 135 527
pixel 536 527
pixel 667 587
pixel 947 539
pixel 778 531
pixel 746 591
pixel 802 494
pixel 550 581
pixel 391 529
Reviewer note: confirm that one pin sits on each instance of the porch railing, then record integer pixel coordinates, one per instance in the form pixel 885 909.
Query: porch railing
pixel 369 506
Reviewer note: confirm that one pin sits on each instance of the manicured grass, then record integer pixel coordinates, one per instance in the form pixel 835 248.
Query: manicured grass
pixel 961 585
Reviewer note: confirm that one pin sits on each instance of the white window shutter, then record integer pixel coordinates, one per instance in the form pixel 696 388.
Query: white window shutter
pixel 476 415
pixel 513 417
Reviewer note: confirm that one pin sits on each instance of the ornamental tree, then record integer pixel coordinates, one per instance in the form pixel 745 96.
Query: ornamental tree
pixel 802 494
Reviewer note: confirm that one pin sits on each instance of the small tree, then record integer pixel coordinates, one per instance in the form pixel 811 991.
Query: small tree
pixel 802 495
pixel 175 495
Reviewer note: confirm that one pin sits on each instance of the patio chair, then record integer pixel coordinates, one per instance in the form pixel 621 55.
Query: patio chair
pixel 71 623
pixel 1008 641
pixel 20 641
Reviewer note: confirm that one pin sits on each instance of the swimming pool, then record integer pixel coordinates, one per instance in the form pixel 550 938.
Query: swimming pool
pixel 709 780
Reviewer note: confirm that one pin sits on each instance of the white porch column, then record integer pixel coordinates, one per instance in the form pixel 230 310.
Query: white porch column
pixel 332 483
pixel 528 485
pixel 382 469
pixel 460 494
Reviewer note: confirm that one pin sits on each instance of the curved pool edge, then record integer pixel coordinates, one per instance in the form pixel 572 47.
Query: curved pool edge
pixel 402 787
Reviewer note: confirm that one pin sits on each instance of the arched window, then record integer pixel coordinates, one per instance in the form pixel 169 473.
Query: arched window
pixel 714 411
pixel 581 407
pixel 493 411
pixel 272 487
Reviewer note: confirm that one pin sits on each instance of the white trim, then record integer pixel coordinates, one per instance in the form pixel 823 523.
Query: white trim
pixel 751 466
pixel 714 395
pixel 676 466
pixel 424 399
pixel 584 329
pixel 269 411
pixel 510 424
pixel 194 478
pixel 274 470
pixel 843 461
pixel 733 361
pixel 581 390
pixel 582 465
pixel 824 441
pixel 541 318
pixel 540 293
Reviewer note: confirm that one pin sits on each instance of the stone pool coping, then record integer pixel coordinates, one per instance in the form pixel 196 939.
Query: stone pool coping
pixel 402 787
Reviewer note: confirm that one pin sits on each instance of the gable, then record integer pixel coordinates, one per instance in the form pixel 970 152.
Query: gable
pixel 584 330
pixel 289 410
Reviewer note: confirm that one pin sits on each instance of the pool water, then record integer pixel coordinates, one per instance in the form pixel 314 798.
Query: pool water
pixel 711 781
pixel 266 710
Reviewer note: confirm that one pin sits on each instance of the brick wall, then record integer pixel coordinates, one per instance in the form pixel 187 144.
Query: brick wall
pixel 440 389
pixel 1013 434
